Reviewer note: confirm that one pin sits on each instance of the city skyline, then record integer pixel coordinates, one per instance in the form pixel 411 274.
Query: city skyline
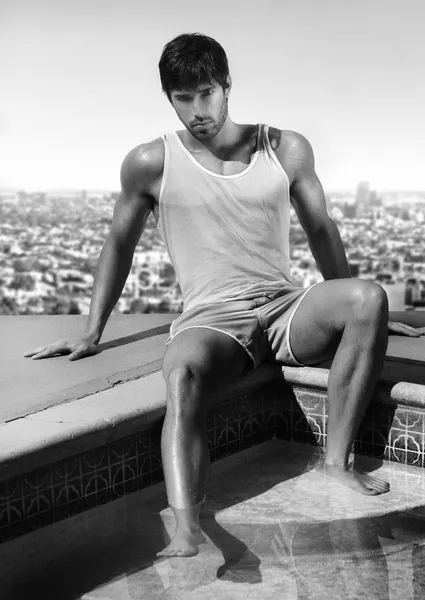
pixel 50 250
pixel 81 85
pixel 61 193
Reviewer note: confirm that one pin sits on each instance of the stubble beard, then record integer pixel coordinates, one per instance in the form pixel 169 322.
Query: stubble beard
pixel 216 127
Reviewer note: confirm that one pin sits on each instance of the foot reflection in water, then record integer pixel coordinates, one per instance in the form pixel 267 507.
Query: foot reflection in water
pixel 379 558
pixel 374 557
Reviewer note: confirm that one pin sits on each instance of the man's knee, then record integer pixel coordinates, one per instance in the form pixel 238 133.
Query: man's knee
pixel 185 389
pixel 368 302
pixel 183 366
pixel 184 374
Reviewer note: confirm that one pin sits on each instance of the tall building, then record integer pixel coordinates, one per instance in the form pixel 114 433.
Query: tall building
pixel 362 197
pixel 354 269
pixel 375 199
pixel 349 210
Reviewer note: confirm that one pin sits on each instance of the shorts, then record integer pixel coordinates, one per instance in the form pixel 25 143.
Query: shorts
pixel 261 326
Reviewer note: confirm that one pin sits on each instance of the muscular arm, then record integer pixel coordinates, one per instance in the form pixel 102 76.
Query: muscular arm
pixel 308 200
pixel 138 172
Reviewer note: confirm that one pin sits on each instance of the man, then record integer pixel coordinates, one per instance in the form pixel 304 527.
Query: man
pixel 220 192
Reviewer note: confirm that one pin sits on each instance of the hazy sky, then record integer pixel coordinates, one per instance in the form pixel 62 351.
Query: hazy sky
pixel 80 84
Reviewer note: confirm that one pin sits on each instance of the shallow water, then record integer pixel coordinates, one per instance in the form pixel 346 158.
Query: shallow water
pixel 275 528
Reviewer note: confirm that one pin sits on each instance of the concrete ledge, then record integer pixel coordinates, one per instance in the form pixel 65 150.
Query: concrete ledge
pixel 119 393
pixel 102 440
pixel 61 431
pixel 402 393
pixel 131 346
pixel 71 428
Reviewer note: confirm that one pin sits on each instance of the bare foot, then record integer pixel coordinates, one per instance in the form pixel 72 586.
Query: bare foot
pixel 360 482
pixel 184 543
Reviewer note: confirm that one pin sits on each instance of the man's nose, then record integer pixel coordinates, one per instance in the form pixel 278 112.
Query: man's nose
pixel 197 107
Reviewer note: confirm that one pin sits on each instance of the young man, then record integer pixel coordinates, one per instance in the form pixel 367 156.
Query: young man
pixel 220 192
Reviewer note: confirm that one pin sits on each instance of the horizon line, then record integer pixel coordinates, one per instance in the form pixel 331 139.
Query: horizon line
pixel 88 191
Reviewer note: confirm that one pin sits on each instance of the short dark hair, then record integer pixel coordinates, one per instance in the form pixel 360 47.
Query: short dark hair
pixel 191 59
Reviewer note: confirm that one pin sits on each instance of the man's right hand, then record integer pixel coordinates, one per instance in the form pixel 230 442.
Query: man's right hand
pixel 76 348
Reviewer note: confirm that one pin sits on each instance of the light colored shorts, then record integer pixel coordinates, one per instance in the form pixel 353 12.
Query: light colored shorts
pixel 261 326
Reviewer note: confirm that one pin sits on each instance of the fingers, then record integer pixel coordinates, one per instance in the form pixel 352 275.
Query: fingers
pixel 409 332
pixel 403 329
pixel 36 351
pixel 412 331
pixel 48 351
pixel 63 347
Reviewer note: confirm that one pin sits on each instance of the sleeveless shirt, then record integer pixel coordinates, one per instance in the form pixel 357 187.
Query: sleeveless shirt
pixel 227 235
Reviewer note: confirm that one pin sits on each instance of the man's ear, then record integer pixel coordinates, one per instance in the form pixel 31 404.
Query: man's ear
pixel 228 86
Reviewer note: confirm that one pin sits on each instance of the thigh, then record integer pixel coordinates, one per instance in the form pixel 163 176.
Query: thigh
pixel 318 322
pixel 213 355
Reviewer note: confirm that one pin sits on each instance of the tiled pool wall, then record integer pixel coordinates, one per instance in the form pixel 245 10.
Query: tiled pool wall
pixel 71 486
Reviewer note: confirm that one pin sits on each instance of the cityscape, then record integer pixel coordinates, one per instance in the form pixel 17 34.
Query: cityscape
pixel 50 245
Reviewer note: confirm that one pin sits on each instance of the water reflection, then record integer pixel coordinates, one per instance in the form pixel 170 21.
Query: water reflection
pixel 379 557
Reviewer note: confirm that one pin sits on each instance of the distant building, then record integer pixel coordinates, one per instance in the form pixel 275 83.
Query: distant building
pixel 354 269
pixel 374 199
pixel 362 197
pixel 350 210
pixel 414 292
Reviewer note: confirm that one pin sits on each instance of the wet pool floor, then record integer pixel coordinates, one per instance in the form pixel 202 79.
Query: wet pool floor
pixel 274 528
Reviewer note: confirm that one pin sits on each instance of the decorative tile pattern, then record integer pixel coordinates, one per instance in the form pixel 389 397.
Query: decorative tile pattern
pixel 386 432
pixel 91 479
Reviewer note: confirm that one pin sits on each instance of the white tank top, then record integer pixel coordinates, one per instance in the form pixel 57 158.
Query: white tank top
pixel 227 235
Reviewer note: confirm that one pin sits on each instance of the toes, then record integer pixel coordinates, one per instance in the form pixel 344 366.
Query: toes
pixel 185 553
pixel 165 552
pixel 377 489
pixel 376 483
pixel 170 552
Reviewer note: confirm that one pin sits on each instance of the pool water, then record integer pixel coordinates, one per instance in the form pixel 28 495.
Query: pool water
pixel 274 528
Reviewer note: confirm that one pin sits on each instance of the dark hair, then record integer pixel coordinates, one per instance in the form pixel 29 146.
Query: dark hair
pixel 191 59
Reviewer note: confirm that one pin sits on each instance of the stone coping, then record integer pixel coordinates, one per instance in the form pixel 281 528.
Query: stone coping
pixel 388 392
pixel 131 347
pixel 134 397
pixel 71 428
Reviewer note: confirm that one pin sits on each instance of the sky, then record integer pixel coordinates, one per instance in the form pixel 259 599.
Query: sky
pixel 80 84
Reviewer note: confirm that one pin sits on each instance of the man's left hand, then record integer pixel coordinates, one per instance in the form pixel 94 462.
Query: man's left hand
pixel 403 329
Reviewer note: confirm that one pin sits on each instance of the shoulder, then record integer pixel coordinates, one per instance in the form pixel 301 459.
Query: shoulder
pixel 291 146
pixel 143 165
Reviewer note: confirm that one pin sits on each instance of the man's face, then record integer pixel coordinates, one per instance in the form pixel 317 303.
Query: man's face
pixel 202 110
